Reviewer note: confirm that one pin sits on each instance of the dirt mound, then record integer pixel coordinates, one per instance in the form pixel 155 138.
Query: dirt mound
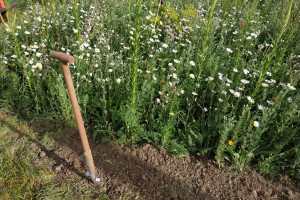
pixel 148 173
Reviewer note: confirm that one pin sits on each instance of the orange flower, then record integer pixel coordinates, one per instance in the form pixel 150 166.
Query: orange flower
pixel 194 120
pixel 13 64
pixel 162 81
pixel 274 99
pixel 230 142
pixel 144 75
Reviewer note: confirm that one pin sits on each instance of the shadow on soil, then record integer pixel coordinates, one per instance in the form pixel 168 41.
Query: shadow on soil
pixel 144 173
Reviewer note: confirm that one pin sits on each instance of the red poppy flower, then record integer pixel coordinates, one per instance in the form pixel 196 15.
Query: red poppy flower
pixel 242 24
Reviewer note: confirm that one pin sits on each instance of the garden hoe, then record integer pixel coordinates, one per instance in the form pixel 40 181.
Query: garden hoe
pixel 3 10
pixel 64 60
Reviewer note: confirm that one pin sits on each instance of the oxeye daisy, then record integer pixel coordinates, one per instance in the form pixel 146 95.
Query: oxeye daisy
pixel 165 46
pixel 192 63
pixel 118 80
pixel 176 61
pixel 209 79
pixel 237 94
pixel 244 81
pixel 291 87
pixel 250 100
pixel 39 65
pixel 255 124
pixel 260 107
pixel 229 50
pixel 192 76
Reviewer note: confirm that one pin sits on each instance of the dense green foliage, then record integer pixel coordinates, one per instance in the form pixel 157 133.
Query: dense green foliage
pixel 217 79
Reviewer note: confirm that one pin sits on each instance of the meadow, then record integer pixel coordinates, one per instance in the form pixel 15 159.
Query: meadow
pixel 215 78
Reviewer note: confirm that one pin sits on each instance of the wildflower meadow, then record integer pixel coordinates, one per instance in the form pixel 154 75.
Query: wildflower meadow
pixel 215 78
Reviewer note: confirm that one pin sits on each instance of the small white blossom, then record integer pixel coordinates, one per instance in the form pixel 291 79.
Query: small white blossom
pixel 291 87
pixel 237 94
pixel 265 85
pixel 250 100
pixel 255 124
pixel 192 63
pixel 260 107
pixel 246 71
pixel 244 81
pixel 229 50
pixel 165 46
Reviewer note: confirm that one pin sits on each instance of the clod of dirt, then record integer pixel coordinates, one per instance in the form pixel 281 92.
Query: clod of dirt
pixel 42 154
pixel 34 147
pixel 58 168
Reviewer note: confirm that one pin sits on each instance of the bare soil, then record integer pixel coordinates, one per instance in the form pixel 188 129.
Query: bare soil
pixel 148 173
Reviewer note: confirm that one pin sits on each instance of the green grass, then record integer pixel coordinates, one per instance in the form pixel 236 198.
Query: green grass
pixel 22 178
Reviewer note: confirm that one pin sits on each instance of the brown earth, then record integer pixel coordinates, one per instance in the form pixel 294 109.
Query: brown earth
pixel 148 173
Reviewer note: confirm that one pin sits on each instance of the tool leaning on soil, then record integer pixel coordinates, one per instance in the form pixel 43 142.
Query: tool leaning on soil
pixel 64 59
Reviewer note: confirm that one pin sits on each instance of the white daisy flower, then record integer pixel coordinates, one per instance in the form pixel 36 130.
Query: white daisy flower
pixel 237 94
pixel 260 107
pixel 244 81
pixel 165 46
pixel 291 87
pixel 250 100
pixel 192 63
pixel 255 124
pixel 192 76
pixel 246 71
pixel 229 50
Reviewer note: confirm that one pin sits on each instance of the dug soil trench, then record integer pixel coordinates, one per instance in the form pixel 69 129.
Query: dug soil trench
pixel 148 173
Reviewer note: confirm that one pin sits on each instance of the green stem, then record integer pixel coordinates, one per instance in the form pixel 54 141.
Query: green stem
pixel 264 70
pixel 208 29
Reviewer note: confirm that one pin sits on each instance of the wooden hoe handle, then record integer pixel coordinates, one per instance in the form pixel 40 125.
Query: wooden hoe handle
pixel 62 57
pixel 65 59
